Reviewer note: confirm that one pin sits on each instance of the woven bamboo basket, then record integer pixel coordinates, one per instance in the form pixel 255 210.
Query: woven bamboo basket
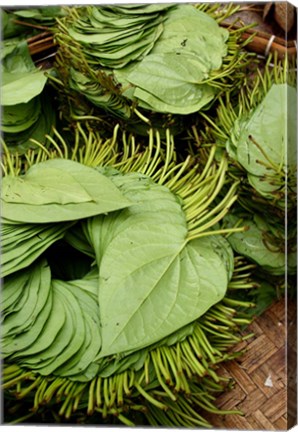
pixel 264 377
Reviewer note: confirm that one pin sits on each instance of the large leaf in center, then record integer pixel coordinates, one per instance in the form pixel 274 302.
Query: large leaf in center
pixel 152 282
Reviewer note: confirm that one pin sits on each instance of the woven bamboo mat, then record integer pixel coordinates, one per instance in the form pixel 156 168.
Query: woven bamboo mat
pixel 263 390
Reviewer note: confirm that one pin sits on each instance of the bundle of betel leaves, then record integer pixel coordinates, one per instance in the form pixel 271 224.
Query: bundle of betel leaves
pixel 127 227
pixel 145 63
pixel 259 133
pixel 126 313
pixel 28 111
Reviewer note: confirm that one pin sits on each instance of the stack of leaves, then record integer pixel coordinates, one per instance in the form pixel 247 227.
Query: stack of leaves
pixel 114 36
pixel 265 149
pixel 27 112
pixel 259 134
pixel 264 144
pixel 164 59
pixel 174 76
pixel 127 266
pixel 115 280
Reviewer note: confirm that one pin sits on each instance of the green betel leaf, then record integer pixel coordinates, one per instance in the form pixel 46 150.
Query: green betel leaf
pixel 59 190
pixel 47 189
pixel 21 87
pixel 16 58
pixel 258 245
pixel 151 204
pixel 162 292
pixel 171 80
pixel 145 263
pixel 171 77
pixel 263 141
pixel 188 30
pixel 204 94
pixel 28 13
pixel 267 127
pixel 8 26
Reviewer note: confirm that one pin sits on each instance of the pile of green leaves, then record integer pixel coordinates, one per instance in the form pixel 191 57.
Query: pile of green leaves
pixel 263 142
pixel 173 77
pixel 27 111
pixel 114 36
pixel 258 130
pixel 80 242
pixel 176 67
pixel 189 276
pixel 266 150
pixel 123 285
pixel 264 146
